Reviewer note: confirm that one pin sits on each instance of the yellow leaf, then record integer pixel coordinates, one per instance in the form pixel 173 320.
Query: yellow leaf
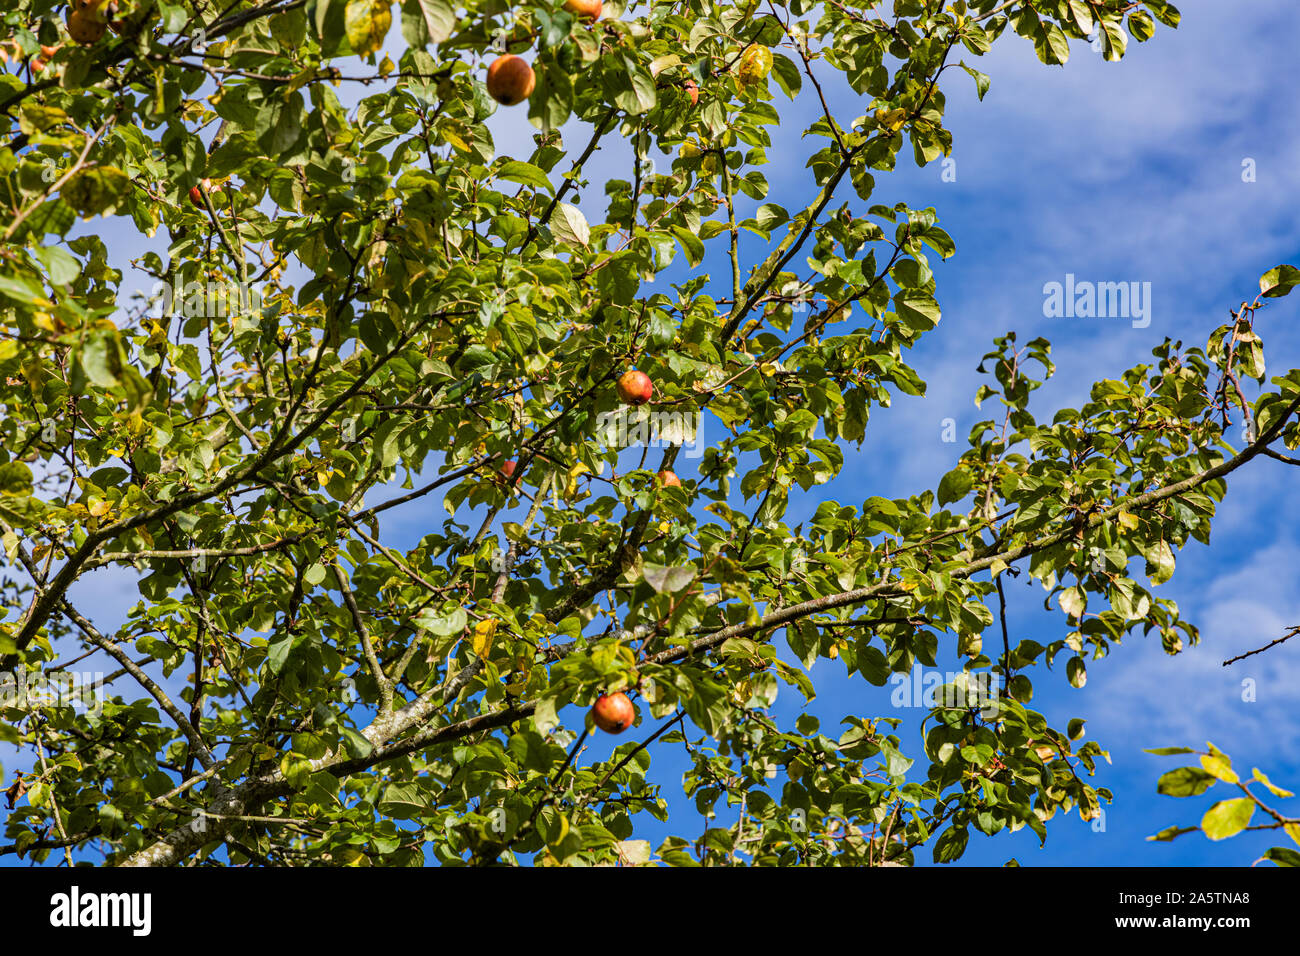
pixel 1220 767
pixel 571 488
pixel 892 120
pixel 1273 788
pixel 351 856
pixel 367 23
pixel 452 135
pixel 755 64
pixel 484 631
pixel 633 852
pixel 302 77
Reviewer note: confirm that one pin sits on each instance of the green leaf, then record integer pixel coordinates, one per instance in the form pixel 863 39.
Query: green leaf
pixel 873 665
pixel 667 580
pixel 277 653
pixel 1278 282
pixel 452 622
pixel 1082 15
pixel 1116 39
pixel 438 16
pixel 552 101
pixel 96 191
pixel 1171 833
pixel 955 486
pixel 15 479
pixel 526 173
pixel 1283 856
pixel 951 844
pixel 23 291
pixel 1160 561
pixel 982 82
pixel 917 310
pixel 1227 818
pixel 1141 25
pixel 691 244
pixel 787 75
pixel 60 267
pixel 570 226
pixel 1185 782
pixel 101 358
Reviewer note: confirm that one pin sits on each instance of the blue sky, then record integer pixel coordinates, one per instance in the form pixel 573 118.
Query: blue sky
pixel 1126 171
pixel 1129 171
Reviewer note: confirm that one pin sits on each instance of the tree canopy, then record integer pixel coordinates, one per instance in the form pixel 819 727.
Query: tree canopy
pixel 360 318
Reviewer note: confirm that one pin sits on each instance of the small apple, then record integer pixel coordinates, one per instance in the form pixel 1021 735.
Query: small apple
pixel 49 51
pixel 588 10
pixel 692 91
pixel 38 64
pixel 669 479
pixel 196 192
pixel 613 713
pixel 85 27
pixel 510 80
pixel 507 471
pixel 634 387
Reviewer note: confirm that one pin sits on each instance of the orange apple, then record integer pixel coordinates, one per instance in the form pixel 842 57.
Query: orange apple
pixel 692 91
pixel 584 9
pixel 669 479
pixel 84 27
pixel 634 387
pixel 613 713
pixel 510 80
pixel 508 470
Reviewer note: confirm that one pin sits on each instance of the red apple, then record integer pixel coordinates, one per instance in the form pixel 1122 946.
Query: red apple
pixel 196 192
pixel 613 713
pixel 692 91
pixel 669 479
pixel 510 80
pixel 634 387
pixel 508 470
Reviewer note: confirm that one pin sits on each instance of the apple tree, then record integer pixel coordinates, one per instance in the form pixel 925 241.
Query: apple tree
pixel 292 349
